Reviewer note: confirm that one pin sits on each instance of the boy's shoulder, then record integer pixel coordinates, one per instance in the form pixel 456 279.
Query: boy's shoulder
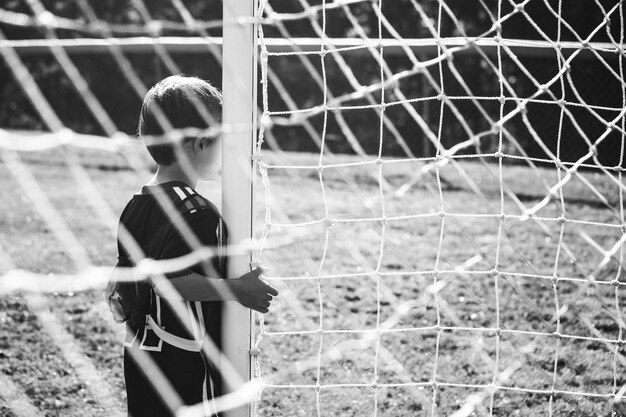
pixel 190 201
pixel 196 210
pixel 199 214
pixel 174 196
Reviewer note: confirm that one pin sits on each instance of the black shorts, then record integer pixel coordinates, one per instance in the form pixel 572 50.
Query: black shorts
pixel 188 373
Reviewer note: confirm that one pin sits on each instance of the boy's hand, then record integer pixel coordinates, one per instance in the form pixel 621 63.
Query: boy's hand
pixel 251 292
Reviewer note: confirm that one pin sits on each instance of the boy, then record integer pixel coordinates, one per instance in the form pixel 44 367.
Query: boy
pixel 157 218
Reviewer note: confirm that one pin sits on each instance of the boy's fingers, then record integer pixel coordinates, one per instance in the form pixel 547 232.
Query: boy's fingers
pixel 254 274
pixel 260 309
pixel 271 290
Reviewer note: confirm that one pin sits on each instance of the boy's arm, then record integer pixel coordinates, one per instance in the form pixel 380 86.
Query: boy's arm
pixel 249 290
pixel 200 282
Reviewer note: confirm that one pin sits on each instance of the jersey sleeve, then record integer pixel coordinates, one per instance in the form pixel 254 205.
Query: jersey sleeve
pixel 205 227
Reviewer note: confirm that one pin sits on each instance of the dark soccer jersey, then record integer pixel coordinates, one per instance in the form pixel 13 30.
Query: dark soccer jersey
pixel 161 236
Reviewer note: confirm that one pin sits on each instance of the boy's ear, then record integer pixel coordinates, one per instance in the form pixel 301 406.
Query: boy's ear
pixel 197 145
pixel 203 142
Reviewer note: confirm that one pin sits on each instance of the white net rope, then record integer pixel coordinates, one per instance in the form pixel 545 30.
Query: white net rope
pixel 94 378
pixel 447 281
pixel 378 351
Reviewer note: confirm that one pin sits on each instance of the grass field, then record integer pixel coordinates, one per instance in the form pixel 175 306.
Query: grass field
pixel 539 374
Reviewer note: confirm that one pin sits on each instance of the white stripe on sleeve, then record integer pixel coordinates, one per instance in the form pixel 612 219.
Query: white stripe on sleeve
pixel 180 193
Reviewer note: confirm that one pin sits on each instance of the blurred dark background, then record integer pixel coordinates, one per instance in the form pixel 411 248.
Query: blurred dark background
pixel 592 84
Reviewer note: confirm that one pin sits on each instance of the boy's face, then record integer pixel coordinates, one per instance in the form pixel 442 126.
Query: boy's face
pixel 208 157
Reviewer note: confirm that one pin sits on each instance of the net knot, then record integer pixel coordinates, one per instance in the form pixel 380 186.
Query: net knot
pixel 392 83
pixel 519 7
pixel 99 26
pixel 155 28
pixel 46 19
pixel 66 136
pixel 120 138
pixel 615 283
pixel 557 335
pixel 146 267
pixel 522 107
pixel 555 279
pixel 498 332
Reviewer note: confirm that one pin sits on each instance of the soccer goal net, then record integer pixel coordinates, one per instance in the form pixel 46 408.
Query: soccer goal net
pixel 434 186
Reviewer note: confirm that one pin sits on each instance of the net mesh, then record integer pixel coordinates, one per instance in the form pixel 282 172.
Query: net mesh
pixel 442 270
pixel 450 241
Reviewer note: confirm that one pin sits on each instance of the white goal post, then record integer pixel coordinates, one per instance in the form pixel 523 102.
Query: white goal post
pixel 239 118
